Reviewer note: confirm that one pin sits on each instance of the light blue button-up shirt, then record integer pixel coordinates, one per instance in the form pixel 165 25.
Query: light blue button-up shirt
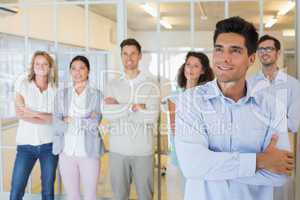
pixel 286 88
pixel 217 140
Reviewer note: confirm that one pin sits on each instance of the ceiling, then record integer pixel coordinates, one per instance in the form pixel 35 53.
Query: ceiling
pixel 178 14
pixel 8 1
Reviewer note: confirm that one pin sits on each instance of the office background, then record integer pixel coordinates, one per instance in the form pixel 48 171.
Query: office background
pixel 166 29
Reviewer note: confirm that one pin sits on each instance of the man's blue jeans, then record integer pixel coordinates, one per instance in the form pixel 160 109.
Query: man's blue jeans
pixel 26 157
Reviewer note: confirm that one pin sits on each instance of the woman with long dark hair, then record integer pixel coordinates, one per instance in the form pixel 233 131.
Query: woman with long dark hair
pixel 77 115
pixel 193 72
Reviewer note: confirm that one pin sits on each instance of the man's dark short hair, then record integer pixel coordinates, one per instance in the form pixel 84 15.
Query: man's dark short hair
pixel 269 37
pixel 239 26
pixel 131 42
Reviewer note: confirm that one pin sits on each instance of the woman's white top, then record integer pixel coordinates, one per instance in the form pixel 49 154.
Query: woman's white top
pixel 74 137
pixel 30 133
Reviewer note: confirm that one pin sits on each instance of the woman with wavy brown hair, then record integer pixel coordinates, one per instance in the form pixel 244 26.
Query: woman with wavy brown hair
pixel 193 72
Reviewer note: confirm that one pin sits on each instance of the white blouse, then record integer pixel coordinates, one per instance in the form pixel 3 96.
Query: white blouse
pixel 74 137
pixel 29 133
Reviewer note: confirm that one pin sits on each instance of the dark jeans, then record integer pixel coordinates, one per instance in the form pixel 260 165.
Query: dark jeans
pixel 26 157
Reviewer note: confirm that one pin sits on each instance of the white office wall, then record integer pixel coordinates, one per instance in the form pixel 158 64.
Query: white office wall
pixel 102 31
pixel 71 26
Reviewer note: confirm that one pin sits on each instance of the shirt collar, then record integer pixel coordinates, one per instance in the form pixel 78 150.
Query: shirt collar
pixel 49 87
pixel 214 91
pixel 140 77
pixel 280 76
pixel 83 92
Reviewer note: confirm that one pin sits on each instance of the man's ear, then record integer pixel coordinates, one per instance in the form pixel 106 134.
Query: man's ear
pixel 252 59
pixel 278 52
pixel 140 55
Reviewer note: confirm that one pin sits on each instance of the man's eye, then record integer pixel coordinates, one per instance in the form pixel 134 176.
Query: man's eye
pixel 218 49
pixel 239 51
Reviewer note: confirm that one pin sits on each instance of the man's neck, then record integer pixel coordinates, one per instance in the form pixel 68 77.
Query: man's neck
pixel 233 90
pixel 270 72
pixel 132 74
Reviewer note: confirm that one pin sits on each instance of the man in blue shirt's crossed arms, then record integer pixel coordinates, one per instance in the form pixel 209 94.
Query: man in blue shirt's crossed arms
pixel 232 144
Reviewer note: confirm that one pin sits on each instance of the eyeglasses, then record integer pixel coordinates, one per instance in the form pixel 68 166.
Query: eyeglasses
pixel 265 49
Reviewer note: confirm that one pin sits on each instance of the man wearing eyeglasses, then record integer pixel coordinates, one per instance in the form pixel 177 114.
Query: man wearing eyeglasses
pixel 285 87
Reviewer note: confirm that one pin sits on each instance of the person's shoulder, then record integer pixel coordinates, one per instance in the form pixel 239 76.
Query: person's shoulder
pixel 95 91
pixel 254 79
pixel 204 91
pixel 207 88
pixel 114 80
pixel 52 88
pixel 198 95
pixel 22 84
pixel 195 101
pixel 266 102
pixel 174 94
pixel 150 78
pixel 293 81
pixel 264 94
pixel 22 80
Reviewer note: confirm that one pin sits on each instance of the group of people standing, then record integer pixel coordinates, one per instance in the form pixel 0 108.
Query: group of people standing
pixel 57 127
pixel 228 138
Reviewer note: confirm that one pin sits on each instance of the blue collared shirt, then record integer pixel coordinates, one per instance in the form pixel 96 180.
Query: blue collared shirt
pixel 217 140
pixel 286 88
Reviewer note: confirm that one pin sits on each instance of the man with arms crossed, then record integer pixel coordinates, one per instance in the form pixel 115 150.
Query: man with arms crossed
pixel 225 141
pixel 132 107
pixel 285 87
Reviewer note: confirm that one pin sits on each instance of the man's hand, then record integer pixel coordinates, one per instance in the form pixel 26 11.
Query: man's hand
pixel 275 160
pixel 111 100
pixel 138 106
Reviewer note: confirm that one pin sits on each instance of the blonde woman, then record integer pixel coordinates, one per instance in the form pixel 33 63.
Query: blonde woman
pixel 34 105
pixel 77 115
